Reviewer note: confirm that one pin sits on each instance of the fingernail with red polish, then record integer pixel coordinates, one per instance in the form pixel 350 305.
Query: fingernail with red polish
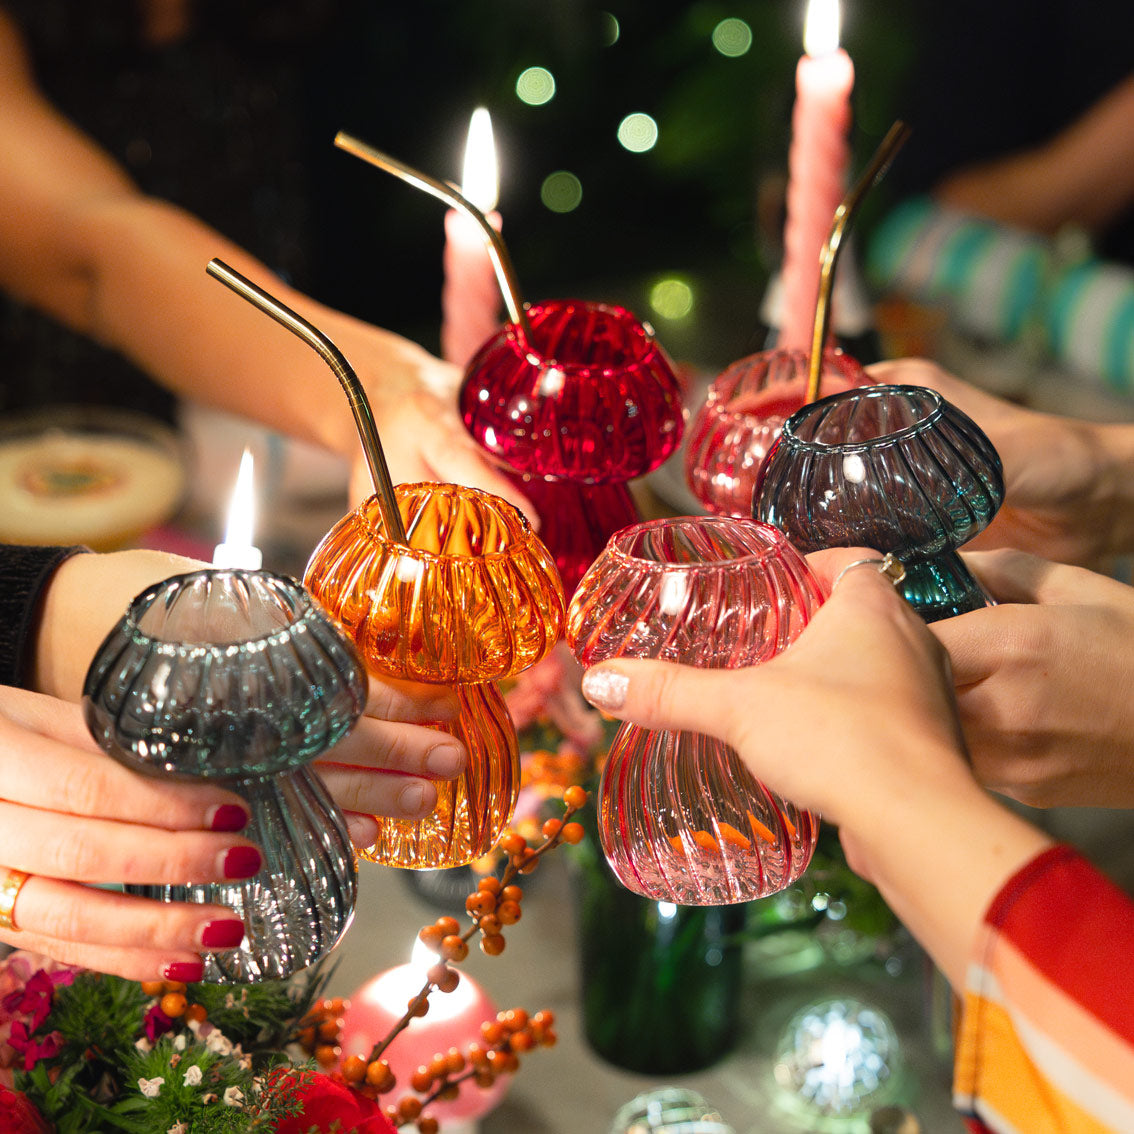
pixel 227 817
pixel 241 862
pixel 185 971
pixel 225 933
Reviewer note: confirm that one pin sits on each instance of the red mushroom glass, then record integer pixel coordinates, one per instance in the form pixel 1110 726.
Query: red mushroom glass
pixel 681 818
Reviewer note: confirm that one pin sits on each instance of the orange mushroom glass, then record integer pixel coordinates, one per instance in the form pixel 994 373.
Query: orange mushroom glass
pixel 473 596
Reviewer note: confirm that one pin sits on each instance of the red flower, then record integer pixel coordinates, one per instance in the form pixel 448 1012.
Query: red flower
pixel 18 1116
pixel 324 1100
pixel 34 1050
pixel 156 1023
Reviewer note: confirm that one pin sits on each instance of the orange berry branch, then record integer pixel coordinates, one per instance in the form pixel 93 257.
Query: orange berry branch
pixel 495 903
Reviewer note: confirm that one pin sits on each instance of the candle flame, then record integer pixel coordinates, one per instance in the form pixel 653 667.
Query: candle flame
pixel 480 181
pixel 238 550
pixel 821 28
pixel 241 508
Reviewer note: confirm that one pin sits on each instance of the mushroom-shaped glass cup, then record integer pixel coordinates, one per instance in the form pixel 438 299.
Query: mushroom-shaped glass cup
pixel 897 468
pixel 588 395
pixel 237 676
pixel 472 597
pixel 681 818
pixel 742 416
pixel 577 405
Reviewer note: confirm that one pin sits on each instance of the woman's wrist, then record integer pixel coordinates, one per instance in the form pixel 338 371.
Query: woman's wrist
pixel 1113 445
pixel 85 598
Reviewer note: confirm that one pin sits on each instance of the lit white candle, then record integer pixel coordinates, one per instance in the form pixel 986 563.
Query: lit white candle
pixel 238 550
pixel 470 295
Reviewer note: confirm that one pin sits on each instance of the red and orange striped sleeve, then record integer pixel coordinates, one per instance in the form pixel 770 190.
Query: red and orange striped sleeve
pixel 1046 1042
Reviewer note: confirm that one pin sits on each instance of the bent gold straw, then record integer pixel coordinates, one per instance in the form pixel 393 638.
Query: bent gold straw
pixel 444 191
pixel 348 379
pixel 895 138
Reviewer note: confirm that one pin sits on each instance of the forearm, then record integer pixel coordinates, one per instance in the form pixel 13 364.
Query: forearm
pixel 939 850
pixel 1114 446
pixel 85 598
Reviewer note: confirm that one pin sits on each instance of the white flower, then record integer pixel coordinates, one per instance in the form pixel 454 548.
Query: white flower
pixel 144 1045
pixel 192 1075
pixel 151 1088
pixel 219 1042
pixel 233 1096
pixel 179 1042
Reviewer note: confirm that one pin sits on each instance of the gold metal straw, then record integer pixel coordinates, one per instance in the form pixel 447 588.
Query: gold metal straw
pixel 356 395
pixel 844 214
pixel 443 190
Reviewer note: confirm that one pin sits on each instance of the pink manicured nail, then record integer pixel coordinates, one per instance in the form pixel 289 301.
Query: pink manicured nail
pixel 185 971
pixel 605 689
pixel 241 862
pixel 225 933
pixel 227 817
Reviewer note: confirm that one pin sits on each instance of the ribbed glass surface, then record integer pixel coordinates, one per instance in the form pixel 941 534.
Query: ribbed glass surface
pixel 680 816
pixel 896 468
pixel 239 676
pixel 473 597
pixel 223 674
pixel 590 397
pixel 744 411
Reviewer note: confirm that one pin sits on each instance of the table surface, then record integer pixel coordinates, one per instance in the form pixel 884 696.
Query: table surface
pixel 567 1088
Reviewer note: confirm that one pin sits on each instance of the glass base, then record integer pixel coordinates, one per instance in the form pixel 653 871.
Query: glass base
pixel 472 810
pixel 302 901
pixel 942 587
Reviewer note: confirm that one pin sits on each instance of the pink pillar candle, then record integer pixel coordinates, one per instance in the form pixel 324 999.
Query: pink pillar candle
pixel 470 295
pixel 817 166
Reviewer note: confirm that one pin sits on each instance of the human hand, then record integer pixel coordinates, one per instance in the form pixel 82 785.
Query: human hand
pixel 1041 684
pixel 71 817
pixel 833 712
pixel 1060 497
pixel 389 762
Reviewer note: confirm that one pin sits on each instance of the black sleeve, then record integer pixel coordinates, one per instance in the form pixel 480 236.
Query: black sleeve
pixel 24 573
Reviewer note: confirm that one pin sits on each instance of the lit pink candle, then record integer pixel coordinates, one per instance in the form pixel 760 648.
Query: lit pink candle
pixel 817 166
pixel 470 295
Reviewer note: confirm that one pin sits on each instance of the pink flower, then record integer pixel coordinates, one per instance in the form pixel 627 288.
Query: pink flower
pixel 25 996
pixel 324 1100
pixel 156 1022
pixel 18 1116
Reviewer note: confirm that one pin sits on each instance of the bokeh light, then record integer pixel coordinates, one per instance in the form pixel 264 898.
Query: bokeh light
pixel 672 298
pixel 732 37
pixel 611 28
pixel 535 86
pixel 638 133
pixel 561 191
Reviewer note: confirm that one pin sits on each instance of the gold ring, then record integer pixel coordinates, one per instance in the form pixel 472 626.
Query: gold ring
pixel 10 885
pixel 889 565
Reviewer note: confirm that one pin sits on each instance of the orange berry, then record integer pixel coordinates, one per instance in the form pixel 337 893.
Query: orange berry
pixel 454 948
pixel 427 1124
pixel 489 925
pixel 153 987
pixel 493 1032
pixel 328 1029
pixel 354 1069
pixel 431 937
pixel 174 985
pixel 409 1107
pixel 492 944
pixel 489 885
pixel 544 1017
pixel 454 1061
pixel 445 978
pixel 515 1018
pixel 336 1006
pixel 196 1012
pixel 509 913
pixel 548 1039
pixel 512 893
pixel 307 1038
pixel 421 1080
pixel 327 1054
pixel 173 1004
pixel 575 797
pixel 484 1077
pixel 513 843
pixel 573 833
pixel 418 1007
pixel 448 926
pixel 522 1041
pixel 480 903
pixel 379 1075
pixel 551 828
